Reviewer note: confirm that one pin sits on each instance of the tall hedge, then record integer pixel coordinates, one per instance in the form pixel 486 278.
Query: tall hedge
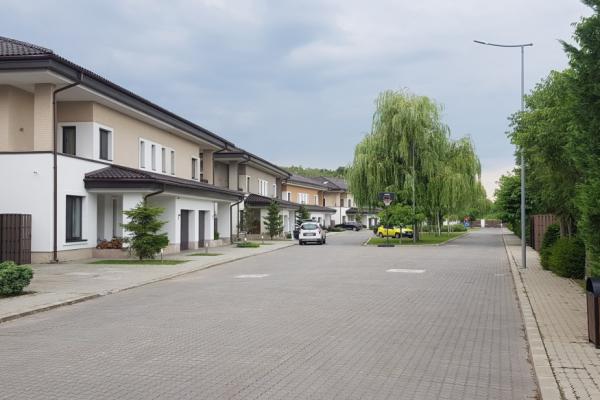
pixel 551 235
pixel 567 258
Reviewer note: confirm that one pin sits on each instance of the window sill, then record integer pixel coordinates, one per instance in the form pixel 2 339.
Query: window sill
pixel 75 243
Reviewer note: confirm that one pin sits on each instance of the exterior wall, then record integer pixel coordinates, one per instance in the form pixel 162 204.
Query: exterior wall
pixel 221 175
pixel 43 117
pixel 255 175
pixel 233 176
pixel 16 119
pixel 294 190
pixel 332 199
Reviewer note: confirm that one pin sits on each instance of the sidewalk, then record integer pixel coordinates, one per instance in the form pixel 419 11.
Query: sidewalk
pixel 558 307
pixel 56 285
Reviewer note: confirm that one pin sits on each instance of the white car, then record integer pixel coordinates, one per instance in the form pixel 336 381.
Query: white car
pixel 312 232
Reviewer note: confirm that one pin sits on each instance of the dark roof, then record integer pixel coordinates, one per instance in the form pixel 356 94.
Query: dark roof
pixel 303 180
pixel 123 177
pixel 16 55
pixel 326 210
pixel 354 210
pixel 333 183
pixel 245 156
pixel 11 47
pixel 255 200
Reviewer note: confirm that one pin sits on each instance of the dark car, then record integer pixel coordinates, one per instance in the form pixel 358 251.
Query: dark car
pixel 350 226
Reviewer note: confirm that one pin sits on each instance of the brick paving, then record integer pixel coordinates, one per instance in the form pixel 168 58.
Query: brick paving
pixel 327 322
pixel 559 306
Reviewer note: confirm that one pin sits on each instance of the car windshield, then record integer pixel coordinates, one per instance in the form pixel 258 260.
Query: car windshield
pixel 309 227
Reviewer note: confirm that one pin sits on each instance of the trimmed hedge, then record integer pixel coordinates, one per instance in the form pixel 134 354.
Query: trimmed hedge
pixel 14 278
pixel 567 258
pixel 550 237
pixel 251 245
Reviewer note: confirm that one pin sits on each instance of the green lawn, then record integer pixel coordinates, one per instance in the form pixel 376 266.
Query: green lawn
pixel 139 262
pixel 426 238
pixel 205 254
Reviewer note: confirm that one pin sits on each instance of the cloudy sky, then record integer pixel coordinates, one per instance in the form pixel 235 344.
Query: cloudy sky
pixel 295 81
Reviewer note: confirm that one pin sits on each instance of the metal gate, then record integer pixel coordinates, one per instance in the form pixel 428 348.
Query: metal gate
pixel 15 238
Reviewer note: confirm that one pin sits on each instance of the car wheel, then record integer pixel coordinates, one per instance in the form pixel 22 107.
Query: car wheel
pixel 300 242
pixel 355 229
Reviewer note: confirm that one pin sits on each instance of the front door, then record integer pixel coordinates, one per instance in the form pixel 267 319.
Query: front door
pixel 185 229
pixel 201 228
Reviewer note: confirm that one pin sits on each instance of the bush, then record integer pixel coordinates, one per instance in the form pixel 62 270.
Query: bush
pixel 457 228
pixel 115 243
pixel 567 258
pixel 252 245
pixel 14 278
pixel 550 237
pixel 144 225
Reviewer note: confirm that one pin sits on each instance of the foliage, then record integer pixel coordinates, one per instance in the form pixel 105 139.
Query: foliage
pixel 339 172
pixel 252 245
pixel 302 215
pixel 409 152
pixel 115 243
pixel 216 235
pixel 551 235
pixel 144 225
pixel 425 238
pixel 567 258
pixel 14 278
pixel 274 220
pixel 458 228
pixel 396 215
pixel 508 201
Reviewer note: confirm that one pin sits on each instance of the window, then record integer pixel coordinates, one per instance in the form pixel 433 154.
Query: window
pixel 153 156
pixel 195 168
pixel 274 190
pixel 248 184
pixel 349 202
pixel 201 155
pixel 172 162
pixel 104 144
pixel 69 140
pixel 289 196
pixel 73 219
pixel 163 160
pixel 323 201
pixel 316 199
pixel 303 198
pixel 142 154
pixel 342 204
pixel 263 187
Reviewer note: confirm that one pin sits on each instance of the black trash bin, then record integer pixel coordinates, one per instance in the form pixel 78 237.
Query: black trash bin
pixel 592 288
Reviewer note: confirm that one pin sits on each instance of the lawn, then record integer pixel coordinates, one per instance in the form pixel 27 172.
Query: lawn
pixel 205 254
pixel 426 238
pixel 139 262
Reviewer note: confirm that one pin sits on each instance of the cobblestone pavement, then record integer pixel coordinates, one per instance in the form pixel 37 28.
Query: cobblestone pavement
pixel 310 322
pixel 559 306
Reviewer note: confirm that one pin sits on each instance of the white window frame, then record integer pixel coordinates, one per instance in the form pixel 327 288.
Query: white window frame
pixel 201 165
pixel 248 178
pixel 153 156
pixel 303 198
pixel 263 187
pixel 163 160
pixel 142 153
pixel 195 168
pixel 274 190
pixel 316 196
pixel 172 160
pixel 109 150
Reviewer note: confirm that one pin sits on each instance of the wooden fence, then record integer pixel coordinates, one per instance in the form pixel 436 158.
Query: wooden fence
pixel 15 238
pixel 539 224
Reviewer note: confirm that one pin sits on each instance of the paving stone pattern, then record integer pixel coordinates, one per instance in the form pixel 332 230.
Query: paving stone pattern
pixel 328 322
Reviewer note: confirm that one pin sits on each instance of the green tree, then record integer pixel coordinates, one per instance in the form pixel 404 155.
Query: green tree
pixel 302 215
pixel 144 225
pixel 584 59
pixel 274 220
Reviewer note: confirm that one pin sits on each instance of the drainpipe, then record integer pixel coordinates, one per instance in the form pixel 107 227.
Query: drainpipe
pixel 55 167
pixel 154 193
pixel 231 216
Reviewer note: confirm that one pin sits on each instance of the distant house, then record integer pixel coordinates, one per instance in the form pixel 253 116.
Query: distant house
pixel 308 192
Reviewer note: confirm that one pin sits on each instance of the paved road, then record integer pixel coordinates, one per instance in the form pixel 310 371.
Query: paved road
pixel 326 322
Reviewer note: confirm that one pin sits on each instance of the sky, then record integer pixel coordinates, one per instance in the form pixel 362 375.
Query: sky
pixel 295 81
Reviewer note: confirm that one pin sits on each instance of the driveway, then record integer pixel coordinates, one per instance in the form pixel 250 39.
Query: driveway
pixel 306 322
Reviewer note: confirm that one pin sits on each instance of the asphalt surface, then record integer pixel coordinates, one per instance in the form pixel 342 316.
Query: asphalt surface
pixel 310 322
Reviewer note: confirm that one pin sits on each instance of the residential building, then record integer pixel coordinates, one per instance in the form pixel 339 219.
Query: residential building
pixel 260 181
pixel 76 150
pixel 310 193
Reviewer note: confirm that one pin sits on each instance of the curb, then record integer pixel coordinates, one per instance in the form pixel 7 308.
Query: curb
pixel 137 285
pixel 548 388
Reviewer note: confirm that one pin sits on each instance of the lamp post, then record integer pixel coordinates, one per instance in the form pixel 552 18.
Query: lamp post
pixel 522 47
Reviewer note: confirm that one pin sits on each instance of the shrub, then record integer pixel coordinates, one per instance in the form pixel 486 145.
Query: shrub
pixel 457 228
pixel 216 235
pixel 248 245
pixel 288 235
pixel 567 258
pixel 115 243
pixel 144 226
pixel 14 278
pixel 550 237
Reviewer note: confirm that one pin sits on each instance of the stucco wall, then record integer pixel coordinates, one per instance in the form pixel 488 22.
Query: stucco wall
pixel 16 119
pixel 255 175
pixel 290 187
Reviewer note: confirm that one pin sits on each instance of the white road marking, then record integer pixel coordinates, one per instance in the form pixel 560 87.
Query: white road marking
pixel 406 271
pixel 252 276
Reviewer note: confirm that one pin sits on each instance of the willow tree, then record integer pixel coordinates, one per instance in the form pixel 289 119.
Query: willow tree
pixel 409 152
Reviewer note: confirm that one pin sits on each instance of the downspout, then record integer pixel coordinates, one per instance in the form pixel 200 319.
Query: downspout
pixel 55 167
pixel 154 193
pixel 231 217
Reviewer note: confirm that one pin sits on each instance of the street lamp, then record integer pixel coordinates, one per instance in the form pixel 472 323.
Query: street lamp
pixel 522 46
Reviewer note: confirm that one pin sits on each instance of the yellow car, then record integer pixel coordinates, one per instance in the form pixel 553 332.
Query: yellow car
pixel 395 231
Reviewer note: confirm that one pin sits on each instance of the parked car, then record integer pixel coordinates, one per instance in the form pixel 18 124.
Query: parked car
pixel 297 228
pixel 394 231
pixel 350 225
pixel 312 232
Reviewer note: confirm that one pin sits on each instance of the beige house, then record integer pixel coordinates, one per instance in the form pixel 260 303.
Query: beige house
pixel 76 150
pixel 310 193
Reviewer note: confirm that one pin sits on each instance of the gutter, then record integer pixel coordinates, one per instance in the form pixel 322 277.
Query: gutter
pixel 55 167
pixel 154 193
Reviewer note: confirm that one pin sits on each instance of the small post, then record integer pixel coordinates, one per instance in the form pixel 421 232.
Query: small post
pixel 262 238
pixel 206 247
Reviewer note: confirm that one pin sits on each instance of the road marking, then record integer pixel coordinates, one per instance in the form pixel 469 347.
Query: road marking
pixel 406 271
pixel 252 276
